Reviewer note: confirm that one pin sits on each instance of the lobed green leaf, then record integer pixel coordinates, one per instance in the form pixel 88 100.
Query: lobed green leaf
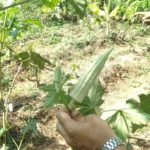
pixel 145 103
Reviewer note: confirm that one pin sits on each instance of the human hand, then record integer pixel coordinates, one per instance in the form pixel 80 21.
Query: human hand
pixel 83 132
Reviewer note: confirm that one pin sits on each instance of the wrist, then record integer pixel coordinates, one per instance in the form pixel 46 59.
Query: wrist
pixel 106 138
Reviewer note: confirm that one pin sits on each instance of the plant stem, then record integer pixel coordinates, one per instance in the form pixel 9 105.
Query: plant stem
pixel 5 113
pixel 20 145
pixel 1 48
pixel 2 35
pixel 97 110
pixel 71 105
pixel 13 141
pixel 125 122
pixel 15 4
pixel 13 82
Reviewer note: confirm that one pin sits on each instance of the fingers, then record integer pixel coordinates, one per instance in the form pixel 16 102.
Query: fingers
pixel 63 133
pixel 75 114
pixel 66 121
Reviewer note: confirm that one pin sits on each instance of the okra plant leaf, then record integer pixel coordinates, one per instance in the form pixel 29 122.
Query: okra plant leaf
pixel 121 124
pixel 141 117
pixel 38 60
pixel 28 58
pixel 51 99
pixel 123 121
pixel 140 120
pixel 96 92
pixel 64 98
pixel 29 127
pixel 52 96
pixel 87 110
pixel 55 92
pixel 132 103
pixel 145 103
pixel 47 88
pixel 86 107
pixel 24 57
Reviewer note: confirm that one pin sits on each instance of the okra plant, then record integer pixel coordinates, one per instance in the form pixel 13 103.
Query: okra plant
pixel 86 95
